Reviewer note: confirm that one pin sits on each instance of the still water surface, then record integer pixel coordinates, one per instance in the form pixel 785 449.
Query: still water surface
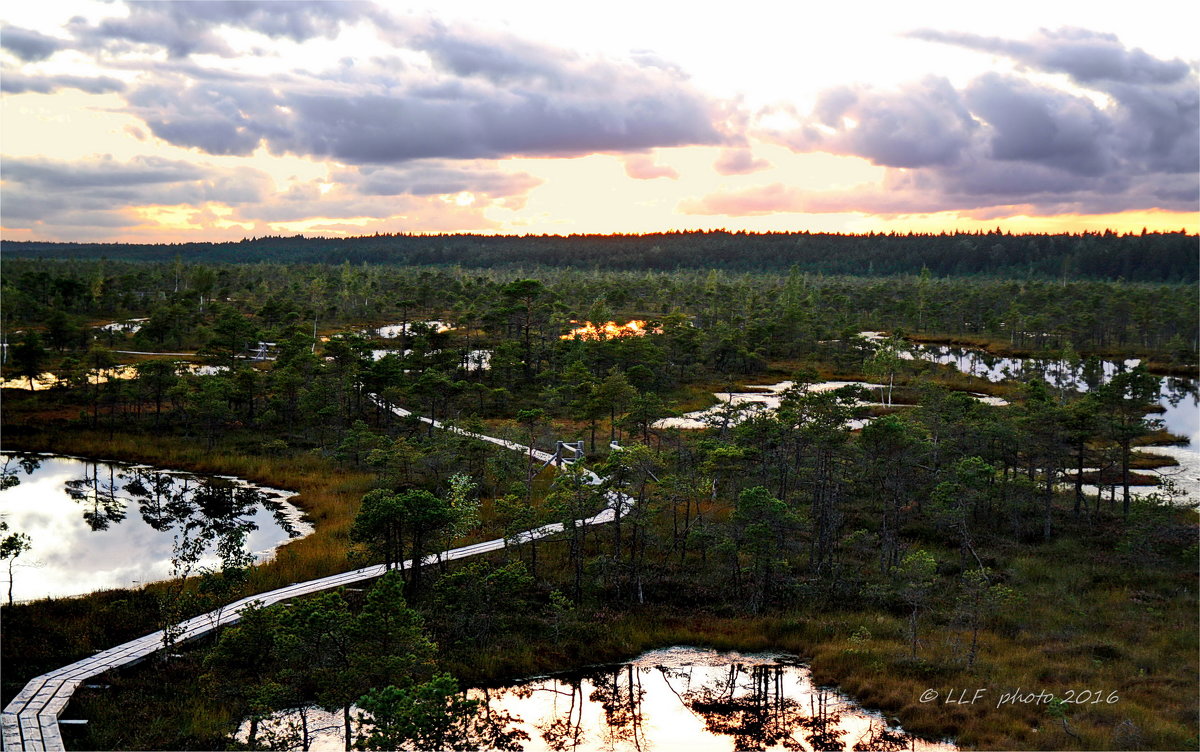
pixel 679 699
pixel 96 525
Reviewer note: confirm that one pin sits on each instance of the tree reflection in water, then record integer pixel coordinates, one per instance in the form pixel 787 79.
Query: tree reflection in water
pixel 495 728
pixel 156 502
pixel 1176 390
pixel 881 738
pixel 560 732
pixel 102 507
pixel 14 466
pixel 761 715
pixel 621 699
pixel 720 702
pixel 97 524
pixel 674 699
pixel 201 509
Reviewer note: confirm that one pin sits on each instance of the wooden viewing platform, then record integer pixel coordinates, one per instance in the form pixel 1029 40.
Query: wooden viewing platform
pixel 31 719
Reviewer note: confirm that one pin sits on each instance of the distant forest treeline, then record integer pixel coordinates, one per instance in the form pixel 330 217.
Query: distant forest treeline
pixel 1148 257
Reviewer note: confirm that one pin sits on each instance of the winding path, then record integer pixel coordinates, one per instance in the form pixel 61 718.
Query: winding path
pixel 30 721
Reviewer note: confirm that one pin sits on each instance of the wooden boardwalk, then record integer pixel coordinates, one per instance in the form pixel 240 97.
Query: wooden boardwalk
pixel 30 721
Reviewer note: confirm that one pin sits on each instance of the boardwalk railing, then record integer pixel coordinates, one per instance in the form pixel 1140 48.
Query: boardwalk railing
pixel 30 721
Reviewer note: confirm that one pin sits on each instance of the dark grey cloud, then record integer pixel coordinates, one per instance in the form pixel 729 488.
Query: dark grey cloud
pixel 1158 126
pixel 185 27
pixel 482 94
pixel 377 128
pixel 1157 101
pixel 217 117
pixel 1006 141
pixel 1089 57
pixel 489 99
pixel 19 83
pixel 29 45
pixel 1045 126
pixel 925 124
pixel 498 58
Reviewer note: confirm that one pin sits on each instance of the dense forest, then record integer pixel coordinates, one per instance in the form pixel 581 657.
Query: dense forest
pixel 1147 257
pixel 947 541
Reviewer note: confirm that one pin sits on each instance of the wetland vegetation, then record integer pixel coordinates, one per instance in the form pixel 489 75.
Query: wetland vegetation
pixel 948 544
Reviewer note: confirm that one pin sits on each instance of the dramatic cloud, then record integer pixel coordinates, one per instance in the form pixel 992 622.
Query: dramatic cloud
pixel 643 167
pixel 469 122
pixel 926 124
pixel 456 93
pixel 739 162
pixel 1156 103
pixel 1043 126
pixel 185 27
pixel 417 116
pixel 356 116
pixel 1005 141
pixel 217 117
pixel 28 45
pixel 1087 56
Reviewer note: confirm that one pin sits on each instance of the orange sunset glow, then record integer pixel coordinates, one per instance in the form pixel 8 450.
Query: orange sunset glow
pixel 609 330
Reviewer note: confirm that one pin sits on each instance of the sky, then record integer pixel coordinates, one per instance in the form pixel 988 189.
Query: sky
pixel 218 120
